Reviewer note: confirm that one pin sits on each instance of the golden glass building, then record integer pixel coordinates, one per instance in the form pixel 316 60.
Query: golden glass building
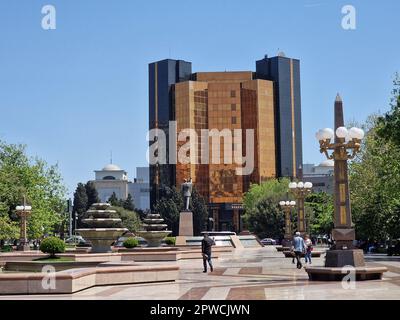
pixel 220 101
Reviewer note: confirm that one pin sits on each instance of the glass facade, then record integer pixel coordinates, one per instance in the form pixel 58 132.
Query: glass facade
pixel 267 101
pixel 285 73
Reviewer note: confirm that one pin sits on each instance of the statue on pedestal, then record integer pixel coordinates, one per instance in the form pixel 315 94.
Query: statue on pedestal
pixel 186 189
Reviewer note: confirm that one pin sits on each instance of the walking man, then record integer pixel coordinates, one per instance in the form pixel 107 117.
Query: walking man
pixel 206 245
pixel 298 248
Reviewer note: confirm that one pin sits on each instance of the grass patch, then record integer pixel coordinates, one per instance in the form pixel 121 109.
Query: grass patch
pixel 56 259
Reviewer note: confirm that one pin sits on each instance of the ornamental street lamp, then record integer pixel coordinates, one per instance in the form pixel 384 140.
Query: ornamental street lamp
pixel 23 211
pixel 346 144
pixel 300 190
pixel 287 208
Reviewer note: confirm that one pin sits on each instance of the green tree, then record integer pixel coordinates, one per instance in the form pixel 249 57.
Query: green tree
pixel 262 213
pixel 169 207
pixel 130 219
pixel 114 201
pixel 374 184
pixel 389 124
pixel 266 219
pixel 80 203
pixel 200 213
pixel 320 206
pixel 128 203
pixel 92 194
pixel 8 228
pixel 42 186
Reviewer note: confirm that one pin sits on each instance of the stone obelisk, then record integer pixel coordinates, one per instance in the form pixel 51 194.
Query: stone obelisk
pixel 343 252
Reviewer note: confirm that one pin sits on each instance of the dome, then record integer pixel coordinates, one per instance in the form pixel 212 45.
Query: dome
pixel 111 167
pixel 327 163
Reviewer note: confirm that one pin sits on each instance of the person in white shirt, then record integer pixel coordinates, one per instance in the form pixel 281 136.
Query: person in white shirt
pixel 309 248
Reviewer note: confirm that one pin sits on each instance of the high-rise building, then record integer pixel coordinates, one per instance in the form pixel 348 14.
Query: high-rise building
pixel 266 101
pixel 285 73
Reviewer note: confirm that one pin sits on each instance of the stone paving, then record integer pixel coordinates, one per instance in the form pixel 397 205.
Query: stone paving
pixel 249 274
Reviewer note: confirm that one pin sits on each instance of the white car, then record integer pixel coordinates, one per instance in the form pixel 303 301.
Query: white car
pixel 75 239
pixel 268 241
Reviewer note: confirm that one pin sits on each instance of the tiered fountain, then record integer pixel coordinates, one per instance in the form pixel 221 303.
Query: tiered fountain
pixel 155 230
pixel 103 230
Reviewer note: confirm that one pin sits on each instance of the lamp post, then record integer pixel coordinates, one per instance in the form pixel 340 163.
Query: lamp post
pixel 76 220
pixel 23 211
pixel 287 208
pixel 343 146
pixel 300 190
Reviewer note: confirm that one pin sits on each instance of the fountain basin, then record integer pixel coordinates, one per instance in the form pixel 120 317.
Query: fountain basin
pixel 102 222
pixel 100 206
pixel 153 238
pixel 154 221
pixel 155 227
pixel 101 238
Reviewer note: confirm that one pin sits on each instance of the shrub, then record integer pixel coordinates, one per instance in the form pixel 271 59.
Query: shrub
pixel 6 249
pixel 170 241
pixel 131 243
pixel 52 245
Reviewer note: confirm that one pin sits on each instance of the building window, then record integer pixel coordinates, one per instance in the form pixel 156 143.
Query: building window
pixel 233 94
pixel 233 107
pixel 109 178
pixel 233 120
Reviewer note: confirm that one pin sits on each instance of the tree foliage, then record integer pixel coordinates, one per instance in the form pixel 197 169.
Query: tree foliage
pixel 388 126
pixel 41 184
pixel 92 194
pixel 128 203
pixel 374 175
pixel 320 210
pixel 375 185
pixel 130 219
pixel 114 201
pixel 170 205
pixel 262 213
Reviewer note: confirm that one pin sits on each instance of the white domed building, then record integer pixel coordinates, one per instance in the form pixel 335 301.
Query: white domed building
pixel 320 175
pixel 112 179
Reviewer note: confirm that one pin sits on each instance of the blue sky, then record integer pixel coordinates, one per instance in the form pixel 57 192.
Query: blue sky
pixel 77 92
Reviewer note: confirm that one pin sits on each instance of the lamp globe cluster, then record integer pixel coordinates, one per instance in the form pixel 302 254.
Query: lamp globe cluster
pixel 328 134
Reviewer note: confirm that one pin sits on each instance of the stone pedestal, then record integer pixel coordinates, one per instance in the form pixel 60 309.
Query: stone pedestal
pixel 341 258
pixel 186 223
pixel 24 247
pixel 340 263
pixel 287 243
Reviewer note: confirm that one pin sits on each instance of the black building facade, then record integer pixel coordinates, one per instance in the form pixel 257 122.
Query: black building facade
pixel 162 76
pixel 285 73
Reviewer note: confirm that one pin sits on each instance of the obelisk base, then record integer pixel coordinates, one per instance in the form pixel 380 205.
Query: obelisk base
pixel 186 224
pixel 343 263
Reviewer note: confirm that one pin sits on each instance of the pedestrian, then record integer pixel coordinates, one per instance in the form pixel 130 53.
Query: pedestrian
pixel 206 245
pixel 298 248
pixel 309 249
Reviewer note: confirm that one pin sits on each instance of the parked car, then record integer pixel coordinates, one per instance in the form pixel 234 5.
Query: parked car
pixel 394 249
pixel 268 242
pixel 78 240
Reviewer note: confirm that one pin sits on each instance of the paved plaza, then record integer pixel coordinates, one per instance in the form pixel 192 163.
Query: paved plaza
pixel 249 274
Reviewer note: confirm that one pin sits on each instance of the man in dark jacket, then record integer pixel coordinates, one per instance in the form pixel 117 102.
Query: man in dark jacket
pixel 206 245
